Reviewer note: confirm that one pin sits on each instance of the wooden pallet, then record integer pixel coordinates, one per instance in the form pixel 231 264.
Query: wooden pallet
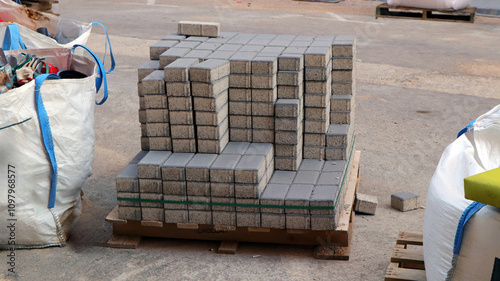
pixel 385 11
pixel 40 5
pixel 335 244
pixel 407 264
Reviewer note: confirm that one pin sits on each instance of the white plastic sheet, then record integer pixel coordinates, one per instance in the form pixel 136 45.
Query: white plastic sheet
pixel 431 4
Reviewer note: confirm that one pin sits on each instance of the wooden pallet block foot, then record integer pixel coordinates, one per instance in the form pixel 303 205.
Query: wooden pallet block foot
pixel 332 252
pixel 466 15
pixel 228 247
pixel 124 241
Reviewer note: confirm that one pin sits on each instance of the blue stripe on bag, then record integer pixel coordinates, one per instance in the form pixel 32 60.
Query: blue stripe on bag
pixel 12 39
pixel 467 128
pixel 106 48
pixel 48 142
pixel 101 77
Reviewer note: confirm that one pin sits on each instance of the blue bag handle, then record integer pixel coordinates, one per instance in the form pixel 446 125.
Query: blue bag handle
pixel 12 39
pixel 18 2
pixel 467 128
pixel 48 142
pixel 106 48
pixel 101 77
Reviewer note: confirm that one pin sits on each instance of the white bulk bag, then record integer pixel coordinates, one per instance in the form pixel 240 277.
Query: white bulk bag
pixel 431 4
pixel 474 152
pixel 37 175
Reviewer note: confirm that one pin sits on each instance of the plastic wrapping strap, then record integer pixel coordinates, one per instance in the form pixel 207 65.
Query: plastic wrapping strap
pixel 472 209
pixel 18 2
pixel 101 77
pixel 467 128
pixel 12 39
pixel 113 64
pixel 48 142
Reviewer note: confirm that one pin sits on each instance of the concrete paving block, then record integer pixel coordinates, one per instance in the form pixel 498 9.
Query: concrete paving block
pixel 222 169
pixel 221 55
pixel 318 73
pixel 160 47
pixel 145 143
pixel 198 54
pixel 341 102
pixel 342 76
pixel 174 169
pixel 325 196
pixel 291 62
pixel 149 166
pixel 213 146
pixel 291 92
pixel 294 221
pixel 180 103
pixel 198 168
pixel 209 45
pixel 366 204
pixel 174 37
pixel 236 148
pixel 189 28
pixel 150 186
pixel 212 118
pixel 184 145
pixel 230 47
pixel 264 65
pixel 405 201
pixel 240 108
pixel 334 166
pixel 171 55
pixel 129 213
pixel 153 84
pixel 197 38
pixel 159 143
pixel 246 202
pixel 201 203
pixel 274 50
pixel 317 113
pixel 335 153
pixel 287 163
pixel 212 132
pixel 340 117
pixel 316 100
pixel 200 217
pixel 274 194
pixel 278 40
pixel 298 195
pixel 323 222
pixel 277 221
pixel 175 198
pixel 224 218
pixel 251 48
pixel 290 78
pixel 153 214
pixel 155 129
pixel 182 131
pixel 312 165
pixel 263 122
pixel 178 71
pixel 300 43
pixel 148 68
pixel 188 44
pixel 153 197
pixel 262 136
pixel 287 137
pixel 142 116
pixel 221 189
pixel 342 63
pixel 240 121
pixel 314 152
pixel 288 150
pixel 210 29
pixel 342 88
pixel 209 71
pixel 249 190
pixel 317 56
pixel 223 200
pixel 176 216
pixel 240 94
pixel 248 219
pixel 181 118
pixel 306 177
pixel 315 126
pixel 264 95
pixel 210 104
pixel 288 124
pixel 282 177
pixel 241 135
pixel 338 135
pixel 261 81
pixel 314 139
pixel 327 178
pixel 288 108
pixel 124 203
pixel 325 38
pixel 262 39
pixel 344 46
pixel 178 89
pixel 127 180
pixel 262 109
pixel 153 102
pixel 264 149
pixel 240 80
pixel 318 88
pixel 174 187
pixel 294 50
pixel 241 38
pixel 250 169
pixel 210 89
pixel 198 188
pixel 156 115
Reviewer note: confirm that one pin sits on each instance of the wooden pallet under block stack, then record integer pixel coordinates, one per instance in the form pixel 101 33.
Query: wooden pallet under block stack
pixel 40 5
pixel 385 11
pixel 407 264
pixel 331 245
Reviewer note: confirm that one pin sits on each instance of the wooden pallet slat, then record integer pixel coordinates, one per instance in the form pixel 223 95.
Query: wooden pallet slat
pixel 466 15
pixel 407 264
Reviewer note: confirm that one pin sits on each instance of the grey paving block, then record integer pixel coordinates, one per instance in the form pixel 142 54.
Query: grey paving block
pixel 142 116
pixel 317 113
pixel 342 88
pixel 209 45
pixel 314 139
pixel 340 117
pixel 298 195
pixel 250 169
pixel 317 56
pixel 150 186
pixel 209 71
pixel 153 197
pixel 213 146
pixel 210 29
pixel 182 131
pixel 149 166
pixel 263 122
pixel 211 104
pixel 316 100
pixel 294 221
pixel 221 55
pixel 178 71
pixel 200 89
pixel 154 102
pixel 405 201
pixel 288 150
pixel 262 136
pixel 190 28
pixel 262 109
pixel 264 65
pixel 325 196
pixel 290 78
pixel 127 180
pixel 188 44
pixel 176 216
pixel 249 190
pixel 248 219
pixel 174 37
pixel 181 118
pixel 178 89
pixel 343 46
pixel 327 178
pixel 159 143
pixel 198 54
pixel 174 169
pixel 314 152
pixel 261 81
pixel 343 63
pixel 197 38
pixel 224 218
pixel 300 43
pixel 318 73
pixel 306 177
pixel 322 222
pixel 240 94
pixel 341 102
pixel 230 47
pixel 212 132
pixel 222 169
pixel 366 204
pixel 251 48
pixel 129 213
pixel 223 200
pixel 171 55
pixel 294 50
pixel 241 38
pixel 156 115
pixel 198 203
pixel 288 108
pixel 263 149
pixel 275 50
pixel 283 177
pixel 240 121
pixel 145 143
pixel 124 203
pixel 180 103
pixel 327 38
pixel 153 214
pixel 184 145
pixel 137 158
pixel 160 47
pixel 288 124
pixel 342 76
pixel 240 80
pixel 338 135
pixel 312 165
pixel 153 84
pixel 248 204
pixel 198 168
pixel 262 39
pixel 265 95
pixel 200 217
pixel 236 148
pixel 287 163
pixel 198 188
pixel 274 194
pixel 173 203
pixel 335 153
pixel 155 130
pixel 290 62
pixel 291 92
pixel 335 166
pixel 174 187
pixel 277 221
pixel 221 189
pixel 287 137
pixel 241 135
pixel 148 68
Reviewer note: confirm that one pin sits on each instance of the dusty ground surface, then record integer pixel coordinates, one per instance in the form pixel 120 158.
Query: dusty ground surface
pixel 418 84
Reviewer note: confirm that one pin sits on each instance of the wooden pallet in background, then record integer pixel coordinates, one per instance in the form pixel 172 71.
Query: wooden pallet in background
pixel 40 5
pixel 335 244
pixel 407 264
pixel 385 11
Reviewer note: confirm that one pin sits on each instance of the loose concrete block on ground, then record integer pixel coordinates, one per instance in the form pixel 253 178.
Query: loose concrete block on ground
pixel 405 201
pixel 366 204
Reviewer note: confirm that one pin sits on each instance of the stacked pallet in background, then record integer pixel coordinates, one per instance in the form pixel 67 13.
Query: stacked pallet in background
pixel 221 112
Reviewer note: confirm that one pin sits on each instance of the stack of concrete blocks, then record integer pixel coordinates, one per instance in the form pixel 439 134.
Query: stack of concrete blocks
pixel 127 186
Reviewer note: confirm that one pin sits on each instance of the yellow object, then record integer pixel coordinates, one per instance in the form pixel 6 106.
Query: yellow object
pixel 484 187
